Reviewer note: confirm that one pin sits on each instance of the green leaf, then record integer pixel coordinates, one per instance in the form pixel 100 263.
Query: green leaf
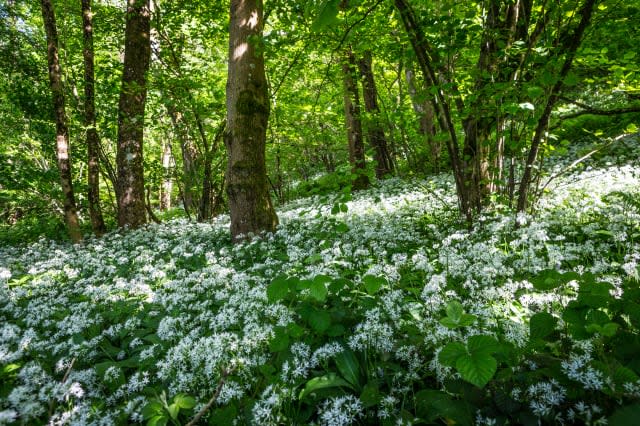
pixel 278 289
pixel 327 16
pixel 349 367
pixel 152 409
pixel 173 410
pixel 184 401
pixel 609 329
pixel 320 321
pixel 372 284
pixel 370 395
pixel 223 416
pixel 625 416
pixel 535 92
pixel 318 290
pixel 624 375
pixel 454 310
pixel 330 380
pixel 477 369
pixel 482 345
pixel 542 325
pixel 450 354
pixel 280 340
pixel 160 420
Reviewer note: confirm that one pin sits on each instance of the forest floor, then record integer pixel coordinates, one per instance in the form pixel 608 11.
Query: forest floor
pixel 381 308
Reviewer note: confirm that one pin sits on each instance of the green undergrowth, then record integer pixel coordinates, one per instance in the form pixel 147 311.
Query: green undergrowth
pixel 376 308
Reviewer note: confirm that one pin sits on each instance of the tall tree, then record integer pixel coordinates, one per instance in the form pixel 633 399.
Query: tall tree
pixel 571 47
pixel 377 139
pixel 62 131
pixel 353 121
pixel 247 117
pixel 133 93
pixel 93 147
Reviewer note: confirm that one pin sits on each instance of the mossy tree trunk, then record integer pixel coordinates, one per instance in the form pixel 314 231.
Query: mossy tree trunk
pixel 247 117
pixel 93 141
pixel 62 131
pixel 133 93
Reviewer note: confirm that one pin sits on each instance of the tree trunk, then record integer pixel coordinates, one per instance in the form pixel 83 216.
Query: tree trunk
pixel 353 122
pixel 133 93
pixel 377 139
pixel 167 180
pixel 207 200
pixel 189 158
pixel 571 47
pixel 93 141
pixel 426 114
pixel 424 55
pixel 62 132
pixel 247 118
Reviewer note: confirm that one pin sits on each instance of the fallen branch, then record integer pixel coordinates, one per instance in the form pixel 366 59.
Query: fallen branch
pixel 213 399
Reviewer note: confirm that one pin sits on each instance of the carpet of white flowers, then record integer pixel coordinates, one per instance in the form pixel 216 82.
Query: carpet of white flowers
pixel 337 318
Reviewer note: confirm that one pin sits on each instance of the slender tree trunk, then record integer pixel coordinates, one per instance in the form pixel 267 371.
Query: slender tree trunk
pixel 93 141
pixel 426 115
pixel 424 55
pixel 570 49
pixel 353 122
pixel 133 93
pixel 167 178
pixel 189 156
pixel 384 163
pixel 208 202
pixel 247 118
pixel 62 132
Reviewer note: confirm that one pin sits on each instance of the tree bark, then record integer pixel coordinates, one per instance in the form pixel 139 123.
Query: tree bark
pixel 250 204
pixel 425 111
pixel 571 47
pixel 62 132
pixel 167 178
pixel 377 139
pixel 129 158
pixel 93 141
pixel 424 55
pixel 353 122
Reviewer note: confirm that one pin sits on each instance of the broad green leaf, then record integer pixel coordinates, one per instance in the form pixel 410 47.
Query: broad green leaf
pixel 348 366
pixel 466 320
pixel 280 340
pixel 223 416
pixel 173 410
pixel 372 284
pixel 625 416
pixel 160 420
pixel 609 329
pixel 184 401
pixel 152 409
pixel 624 375
pixel 370 395
pixel 481 345
pixel 477 369
pixel 450 354
pixel 278 289
pixel 318 290
pixel 454 310
pixel 320 321
pixel 541 325
pixel 330 380
pixel 327 16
